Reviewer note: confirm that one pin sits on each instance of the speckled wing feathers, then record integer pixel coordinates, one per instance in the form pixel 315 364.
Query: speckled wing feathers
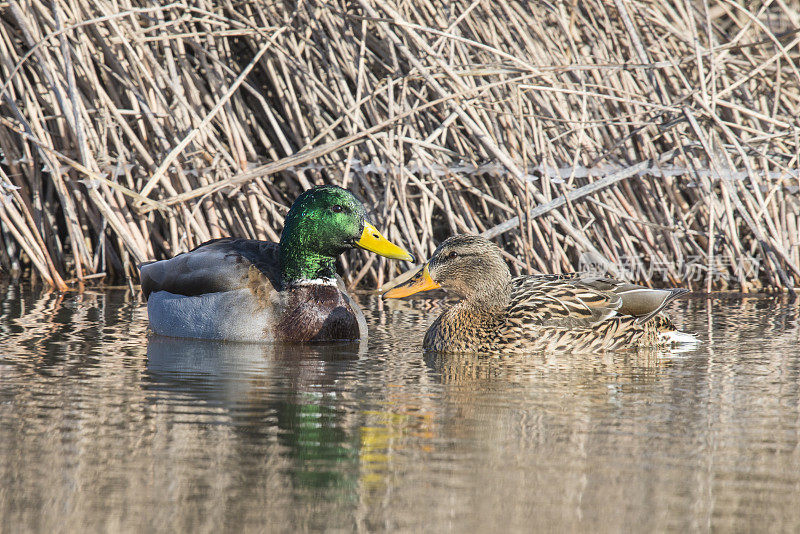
pixel 557 313
pixel 638 301
pixel 549 301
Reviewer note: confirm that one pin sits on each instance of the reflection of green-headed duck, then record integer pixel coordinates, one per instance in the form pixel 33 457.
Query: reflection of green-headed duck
pixel 571 312
pixel 248 290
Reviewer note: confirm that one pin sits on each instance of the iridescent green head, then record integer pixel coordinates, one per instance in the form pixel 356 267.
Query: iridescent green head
pixel 321 224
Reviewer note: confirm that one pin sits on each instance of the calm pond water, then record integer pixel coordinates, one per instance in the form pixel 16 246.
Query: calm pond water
pixel 104 428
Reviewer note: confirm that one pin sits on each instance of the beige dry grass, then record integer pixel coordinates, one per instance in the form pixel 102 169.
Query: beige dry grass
pixel 132 131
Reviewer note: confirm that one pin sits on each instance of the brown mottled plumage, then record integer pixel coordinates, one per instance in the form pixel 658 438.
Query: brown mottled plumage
pixel 499 313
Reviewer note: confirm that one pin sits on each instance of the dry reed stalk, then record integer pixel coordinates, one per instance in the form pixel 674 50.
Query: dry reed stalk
pixel 655 141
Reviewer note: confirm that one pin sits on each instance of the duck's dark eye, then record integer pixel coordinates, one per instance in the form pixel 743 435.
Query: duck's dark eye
pixel 452 255
pixel 337 208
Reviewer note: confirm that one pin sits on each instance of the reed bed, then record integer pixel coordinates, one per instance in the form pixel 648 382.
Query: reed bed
pixel 657 141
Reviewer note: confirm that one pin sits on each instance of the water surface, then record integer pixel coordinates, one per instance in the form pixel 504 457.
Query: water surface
pixel 104 428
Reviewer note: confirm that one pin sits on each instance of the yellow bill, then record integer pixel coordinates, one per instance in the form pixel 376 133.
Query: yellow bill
pixel 421 282
pixel 372 240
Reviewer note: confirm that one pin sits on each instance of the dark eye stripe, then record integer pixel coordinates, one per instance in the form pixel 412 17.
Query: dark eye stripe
pixel 454 254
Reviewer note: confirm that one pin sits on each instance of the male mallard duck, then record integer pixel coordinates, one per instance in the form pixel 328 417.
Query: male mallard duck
pixel 498 313
pixel 248 290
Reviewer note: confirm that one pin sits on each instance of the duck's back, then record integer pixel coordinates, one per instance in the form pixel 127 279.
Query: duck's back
pixel 214 266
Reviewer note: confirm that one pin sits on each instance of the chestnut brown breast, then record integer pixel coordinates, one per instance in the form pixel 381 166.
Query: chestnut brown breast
pixel 316 313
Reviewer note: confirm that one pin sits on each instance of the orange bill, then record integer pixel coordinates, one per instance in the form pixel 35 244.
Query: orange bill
pixel 420 282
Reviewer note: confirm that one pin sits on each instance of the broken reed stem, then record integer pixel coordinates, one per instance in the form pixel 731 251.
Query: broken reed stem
pixel 657 142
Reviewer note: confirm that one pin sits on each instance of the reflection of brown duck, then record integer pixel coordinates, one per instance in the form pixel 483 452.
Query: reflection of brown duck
pixel 535 313
pixel 494 373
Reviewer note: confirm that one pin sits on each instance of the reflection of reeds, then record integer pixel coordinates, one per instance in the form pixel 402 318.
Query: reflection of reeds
pixel 33 324
pixel 96 431
pixel 136 134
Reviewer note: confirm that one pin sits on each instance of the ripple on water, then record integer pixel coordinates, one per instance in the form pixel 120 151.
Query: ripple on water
pixel 103 427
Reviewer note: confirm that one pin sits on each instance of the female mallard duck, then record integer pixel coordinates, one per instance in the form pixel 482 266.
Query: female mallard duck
pixel 248 290
pixel 498 313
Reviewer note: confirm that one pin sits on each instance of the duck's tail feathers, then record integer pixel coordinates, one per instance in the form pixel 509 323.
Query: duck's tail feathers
pixel 673 294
